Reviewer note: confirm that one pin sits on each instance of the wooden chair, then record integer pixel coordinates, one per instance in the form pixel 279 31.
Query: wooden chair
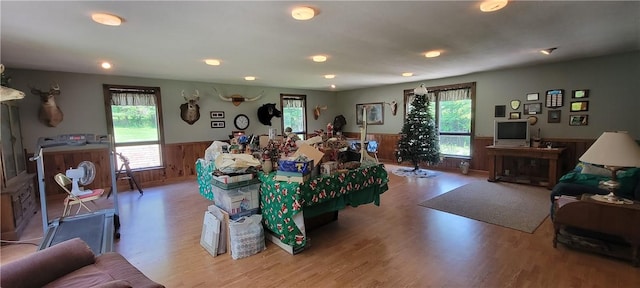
pixel 63 181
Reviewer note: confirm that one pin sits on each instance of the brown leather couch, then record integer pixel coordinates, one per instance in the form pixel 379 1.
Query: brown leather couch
pixel 72 264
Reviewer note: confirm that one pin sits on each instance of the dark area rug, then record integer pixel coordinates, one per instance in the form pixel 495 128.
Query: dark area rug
pixel 514 206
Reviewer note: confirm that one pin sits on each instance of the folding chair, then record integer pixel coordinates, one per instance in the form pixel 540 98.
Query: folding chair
pixel 63 181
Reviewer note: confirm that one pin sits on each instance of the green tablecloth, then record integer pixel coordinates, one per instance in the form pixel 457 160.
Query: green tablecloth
pixel 281 201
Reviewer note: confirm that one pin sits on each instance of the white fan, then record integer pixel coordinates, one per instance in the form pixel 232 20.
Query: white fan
pixel 83 175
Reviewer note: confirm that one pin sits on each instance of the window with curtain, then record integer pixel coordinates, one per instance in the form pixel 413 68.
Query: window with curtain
pixel 452 108
pixel 134 119
pixel 294 113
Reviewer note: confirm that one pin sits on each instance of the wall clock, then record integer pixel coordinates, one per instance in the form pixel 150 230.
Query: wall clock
pixel 241 122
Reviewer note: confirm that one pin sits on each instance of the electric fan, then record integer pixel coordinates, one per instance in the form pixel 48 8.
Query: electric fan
pixel 83 175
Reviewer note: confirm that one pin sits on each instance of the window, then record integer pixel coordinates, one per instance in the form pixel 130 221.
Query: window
pixel 134 118
pixel 294 113
pixel 452 108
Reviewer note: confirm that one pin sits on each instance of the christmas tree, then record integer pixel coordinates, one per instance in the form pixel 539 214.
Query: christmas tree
pixel 419 137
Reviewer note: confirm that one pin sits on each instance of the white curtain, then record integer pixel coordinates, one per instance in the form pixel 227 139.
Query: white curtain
pixel 132 99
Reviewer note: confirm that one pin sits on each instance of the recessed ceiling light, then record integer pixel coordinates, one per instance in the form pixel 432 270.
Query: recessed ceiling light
pixel 547 51
pixel 319 58
pixel 303 13
pixel 329 76
pixel 212 62
pixel 105 65
pixel 106 19
pixel 432 54
pixel 249 78
pixel 407 74
pixel 333 86
pixel 492 5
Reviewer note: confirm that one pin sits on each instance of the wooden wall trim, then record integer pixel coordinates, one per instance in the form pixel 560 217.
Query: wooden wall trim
pixel 180 159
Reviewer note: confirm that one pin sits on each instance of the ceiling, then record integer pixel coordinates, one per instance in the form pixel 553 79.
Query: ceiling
pixel 367 43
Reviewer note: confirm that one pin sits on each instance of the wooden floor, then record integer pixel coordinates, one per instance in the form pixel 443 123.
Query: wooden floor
pixel 398 244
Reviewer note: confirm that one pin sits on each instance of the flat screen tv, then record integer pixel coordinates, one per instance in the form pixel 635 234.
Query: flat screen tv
pixel 511 133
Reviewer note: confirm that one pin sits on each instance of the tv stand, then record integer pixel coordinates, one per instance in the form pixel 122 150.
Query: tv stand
pixel 496 154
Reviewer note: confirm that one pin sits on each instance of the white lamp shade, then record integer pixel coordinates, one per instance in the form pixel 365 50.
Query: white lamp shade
pixel 614 149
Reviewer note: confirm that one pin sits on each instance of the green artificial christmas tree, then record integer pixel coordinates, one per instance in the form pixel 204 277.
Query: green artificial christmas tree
pixel 419 137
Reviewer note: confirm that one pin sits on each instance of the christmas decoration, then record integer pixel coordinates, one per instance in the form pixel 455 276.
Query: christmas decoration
pixel 419 137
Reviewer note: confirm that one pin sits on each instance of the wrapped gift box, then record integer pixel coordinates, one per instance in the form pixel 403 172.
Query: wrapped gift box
pixel 295 166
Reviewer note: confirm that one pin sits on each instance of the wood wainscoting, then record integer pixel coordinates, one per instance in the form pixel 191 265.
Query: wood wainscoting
pixel 180 160
pixel 479 159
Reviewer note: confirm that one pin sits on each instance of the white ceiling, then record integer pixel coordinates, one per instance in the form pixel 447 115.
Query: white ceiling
pixel 368 43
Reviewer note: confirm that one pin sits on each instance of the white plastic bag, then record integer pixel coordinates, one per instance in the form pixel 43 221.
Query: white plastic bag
pixel 235 163
pixel 216 148
pixel 247 236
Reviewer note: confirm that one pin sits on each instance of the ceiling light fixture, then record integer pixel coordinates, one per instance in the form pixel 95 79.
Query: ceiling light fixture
pixel 333 86
pixel 329 76
pixel 432 54
pixel 407 74
pixel 319 58
pixel 249 78
pixel 493 5
pixel 106 19
pixel 303 13
pixel 105 65
pixel 548 51
pixel 212 62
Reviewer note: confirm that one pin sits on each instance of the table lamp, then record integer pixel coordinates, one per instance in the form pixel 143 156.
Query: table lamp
pixel 613 150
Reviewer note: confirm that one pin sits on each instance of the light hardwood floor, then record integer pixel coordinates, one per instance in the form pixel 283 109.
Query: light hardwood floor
pixel 398 244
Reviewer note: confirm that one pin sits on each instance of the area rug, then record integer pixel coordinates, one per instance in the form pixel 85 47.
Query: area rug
pixel 514 206
pixel 409 172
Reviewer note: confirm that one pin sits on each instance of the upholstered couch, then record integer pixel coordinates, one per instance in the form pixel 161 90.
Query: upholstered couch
pixel 72 264
pixel 585 179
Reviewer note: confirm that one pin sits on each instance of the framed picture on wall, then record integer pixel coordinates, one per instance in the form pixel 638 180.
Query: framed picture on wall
pixel 577 106
pixel 514 115
pixel 375 113
pixel 578 120
pixel 217 124
pixel 216 114
pixel 554 116
pixel 499 111
pixel 532 108
pixel 554 98
pixel 578 94
pixel 532 97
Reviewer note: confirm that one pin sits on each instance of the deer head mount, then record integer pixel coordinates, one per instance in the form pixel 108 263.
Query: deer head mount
pixel 49 113
pixel 7 93
pixel 236 99
pixel 394 107
pixel 317 110
pixel 190 111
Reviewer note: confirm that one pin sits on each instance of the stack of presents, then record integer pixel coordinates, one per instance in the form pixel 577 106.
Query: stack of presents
pixel 228 177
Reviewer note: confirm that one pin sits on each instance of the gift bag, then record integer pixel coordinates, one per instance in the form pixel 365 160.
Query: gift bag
pixel 247 236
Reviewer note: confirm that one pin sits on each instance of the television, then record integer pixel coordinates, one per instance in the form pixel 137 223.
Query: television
pixel 511 133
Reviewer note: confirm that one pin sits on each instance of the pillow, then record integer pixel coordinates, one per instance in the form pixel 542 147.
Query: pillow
pixel 595 170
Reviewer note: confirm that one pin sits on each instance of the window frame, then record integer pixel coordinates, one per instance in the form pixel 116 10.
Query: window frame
pixel 106 89
pixel 302 97
pixel 436 89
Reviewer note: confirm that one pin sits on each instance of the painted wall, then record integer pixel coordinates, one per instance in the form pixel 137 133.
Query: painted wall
pixel 81 100
pixel 614 100
pixel 614 96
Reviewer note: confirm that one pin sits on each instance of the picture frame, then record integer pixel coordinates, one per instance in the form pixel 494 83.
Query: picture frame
pixel 375 113
pixel 515 104
pixel 579 106
pixel 217 124
pixel 533 96
pixel 216 114
pixel 532 108
pixel 579 94
pixel 514 115
pixel 499 111
pixel 554 98
pixel 579 120
pixel 554 116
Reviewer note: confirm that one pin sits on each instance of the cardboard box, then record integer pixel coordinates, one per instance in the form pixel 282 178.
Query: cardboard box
pixel 328 168
pixel 298 179
pixel 216 217
pixel 235 184
pixel 226 179
pixel 234 201
pixel 313 153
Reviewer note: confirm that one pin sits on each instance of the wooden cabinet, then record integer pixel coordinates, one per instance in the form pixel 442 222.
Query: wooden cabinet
pixel 17 190
pixel 18 204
